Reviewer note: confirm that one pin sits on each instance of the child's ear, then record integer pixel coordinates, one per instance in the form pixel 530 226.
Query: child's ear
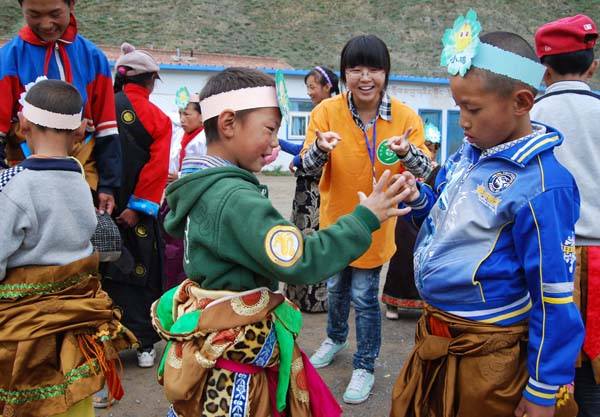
pixel 226 123
pixel 592 69
pixel 79 133
pixel 24 124
pixel 523 101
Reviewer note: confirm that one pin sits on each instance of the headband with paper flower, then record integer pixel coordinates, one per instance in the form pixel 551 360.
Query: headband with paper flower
pixel 463 49
pixel 47 118
pixel 432 133
pixel 183 98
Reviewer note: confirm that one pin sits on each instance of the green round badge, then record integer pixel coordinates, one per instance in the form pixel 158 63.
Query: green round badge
pixel 385 155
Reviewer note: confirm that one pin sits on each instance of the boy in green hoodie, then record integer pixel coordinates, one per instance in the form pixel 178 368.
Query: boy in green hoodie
pixel 231 335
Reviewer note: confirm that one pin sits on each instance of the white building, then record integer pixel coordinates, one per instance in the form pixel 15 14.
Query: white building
pixel 430 97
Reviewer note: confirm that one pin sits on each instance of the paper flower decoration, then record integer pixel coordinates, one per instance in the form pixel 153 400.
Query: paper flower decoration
pixel 461 43
pixel 432 133
pixel 28 87
pixel 182 98
pixel 282 96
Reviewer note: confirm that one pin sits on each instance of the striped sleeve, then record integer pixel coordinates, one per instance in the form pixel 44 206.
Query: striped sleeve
pixel 545 241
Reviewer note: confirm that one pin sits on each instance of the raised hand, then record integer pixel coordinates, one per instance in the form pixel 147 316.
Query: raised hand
pixel 400 144
pixel 327 141
pixel 384 202
pixel 409 182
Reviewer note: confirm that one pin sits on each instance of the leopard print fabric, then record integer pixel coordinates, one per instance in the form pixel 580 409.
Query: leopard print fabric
pixel 217 396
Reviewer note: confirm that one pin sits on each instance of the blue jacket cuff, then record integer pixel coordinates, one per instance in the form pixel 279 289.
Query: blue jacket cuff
pixel 540 393
pixel 144 206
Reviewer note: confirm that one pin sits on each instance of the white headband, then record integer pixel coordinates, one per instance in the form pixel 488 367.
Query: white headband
pixel 242 99
pixel 50 119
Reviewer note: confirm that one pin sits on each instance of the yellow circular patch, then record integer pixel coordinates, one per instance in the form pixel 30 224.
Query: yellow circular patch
pixel 128 116
pixel 141 230
pixel 140 270
pixel 284 245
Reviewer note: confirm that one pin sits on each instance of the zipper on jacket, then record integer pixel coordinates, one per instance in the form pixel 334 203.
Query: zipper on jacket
pixel 59 64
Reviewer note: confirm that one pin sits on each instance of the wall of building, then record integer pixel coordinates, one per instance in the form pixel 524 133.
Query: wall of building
pixel 429 95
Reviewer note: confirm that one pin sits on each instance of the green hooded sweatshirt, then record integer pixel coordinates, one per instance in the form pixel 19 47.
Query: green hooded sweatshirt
pixel 236 240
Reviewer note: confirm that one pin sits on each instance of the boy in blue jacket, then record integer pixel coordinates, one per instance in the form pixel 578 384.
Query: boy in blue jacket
pixel 494 258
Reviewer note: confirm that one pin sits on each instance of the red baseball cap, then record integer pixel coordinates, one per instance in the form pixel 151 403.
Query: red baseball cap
pixel 569 34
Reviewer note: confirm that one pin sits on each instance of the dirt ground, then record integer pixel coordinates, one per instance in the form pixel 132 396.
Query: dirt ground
pixel 144 396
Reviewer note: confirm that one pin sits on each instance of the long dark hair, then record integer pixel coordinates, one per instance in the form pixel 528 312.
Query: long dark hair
pixel 319 73
pixel 140 79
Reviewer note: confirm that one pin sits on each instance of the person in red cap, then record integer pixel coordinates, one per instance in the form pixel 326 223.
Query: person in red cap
pixel 565 47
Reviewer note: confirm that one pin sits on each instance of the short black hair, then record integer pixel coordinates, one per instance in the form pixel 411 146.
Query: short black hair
pixel 366 50
pixel 55 96
pixel 335 88
pixel 577 62
pixel 233 78
pixel 510 42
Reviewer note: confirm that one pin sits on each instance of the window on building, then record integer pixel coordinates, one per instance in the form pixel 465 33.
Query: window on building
pixel 299 117
pixel 298 125
pixel 454 134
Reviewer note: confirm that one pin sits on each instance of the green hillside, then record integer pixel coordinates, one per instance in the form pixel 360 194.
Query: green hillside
pixel 302 32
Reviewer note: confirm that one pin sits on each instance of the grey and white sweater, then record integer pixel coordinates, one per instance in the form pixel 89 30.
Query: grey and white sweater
pixel 47 214
pixel 573 109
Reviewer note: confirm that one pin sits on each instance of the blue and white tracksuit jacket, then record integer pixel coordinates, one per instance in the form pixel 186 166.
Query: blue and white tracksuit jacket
pixel 496 245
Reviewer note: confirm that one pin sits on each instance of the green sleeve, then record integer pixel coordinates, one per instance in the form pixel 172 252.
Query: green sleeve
pixel 254 234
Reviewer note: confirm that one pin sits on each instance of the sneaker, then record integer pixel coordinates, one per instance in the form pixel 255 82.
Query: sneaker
pixel 360 386
pixel 392 313
pixel 324 355
pixel 100 399
pixel 146 357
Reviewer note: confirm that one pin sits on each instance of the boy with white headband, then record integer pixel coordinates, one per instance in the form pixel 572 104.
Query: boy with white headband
pixel 494 258
pixel 59 332
pixel 231 336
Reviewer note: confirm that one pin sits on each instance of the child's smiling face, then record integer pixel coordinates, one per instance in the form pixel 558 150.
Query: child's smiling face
pixel 255 137
pixel 315 90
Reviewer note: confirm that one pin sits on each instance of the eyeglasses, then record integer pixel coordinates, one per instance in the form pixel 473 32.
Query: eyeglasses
pixel 356 73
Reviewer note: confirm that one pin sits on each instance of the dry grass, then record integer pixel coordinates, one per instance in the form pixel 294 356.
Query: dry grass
pixel 303 32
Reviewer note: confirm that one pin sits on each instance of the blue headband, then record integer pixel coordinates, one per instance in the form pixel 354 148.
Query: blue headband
pixel 463 49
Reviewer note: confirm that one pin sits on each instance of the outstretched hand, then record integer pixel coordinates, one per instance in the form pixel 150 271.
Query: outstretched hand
pixel 400 144
pixel 410 182
pixel 528 409
pixel 327 141
pixel 384 202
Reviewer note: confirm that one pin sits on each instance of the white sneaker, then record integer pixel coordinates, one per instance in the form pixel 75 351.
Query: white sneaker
pixel 360 386
pixel 326 352
pixel 146 358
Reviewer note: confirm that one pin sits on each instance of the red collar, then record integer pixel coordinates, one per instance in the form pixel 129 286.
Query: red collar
pixel 185 141
pixel 136 89
pixel 68 37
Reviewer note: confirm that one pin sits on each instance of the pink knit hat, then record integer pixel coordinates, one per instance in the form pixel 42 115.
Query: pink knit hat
pixel 134 61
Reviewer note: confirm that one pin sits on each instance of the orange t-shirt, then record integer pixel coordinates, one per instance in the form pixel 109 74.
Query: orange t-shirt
pixel 349 168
